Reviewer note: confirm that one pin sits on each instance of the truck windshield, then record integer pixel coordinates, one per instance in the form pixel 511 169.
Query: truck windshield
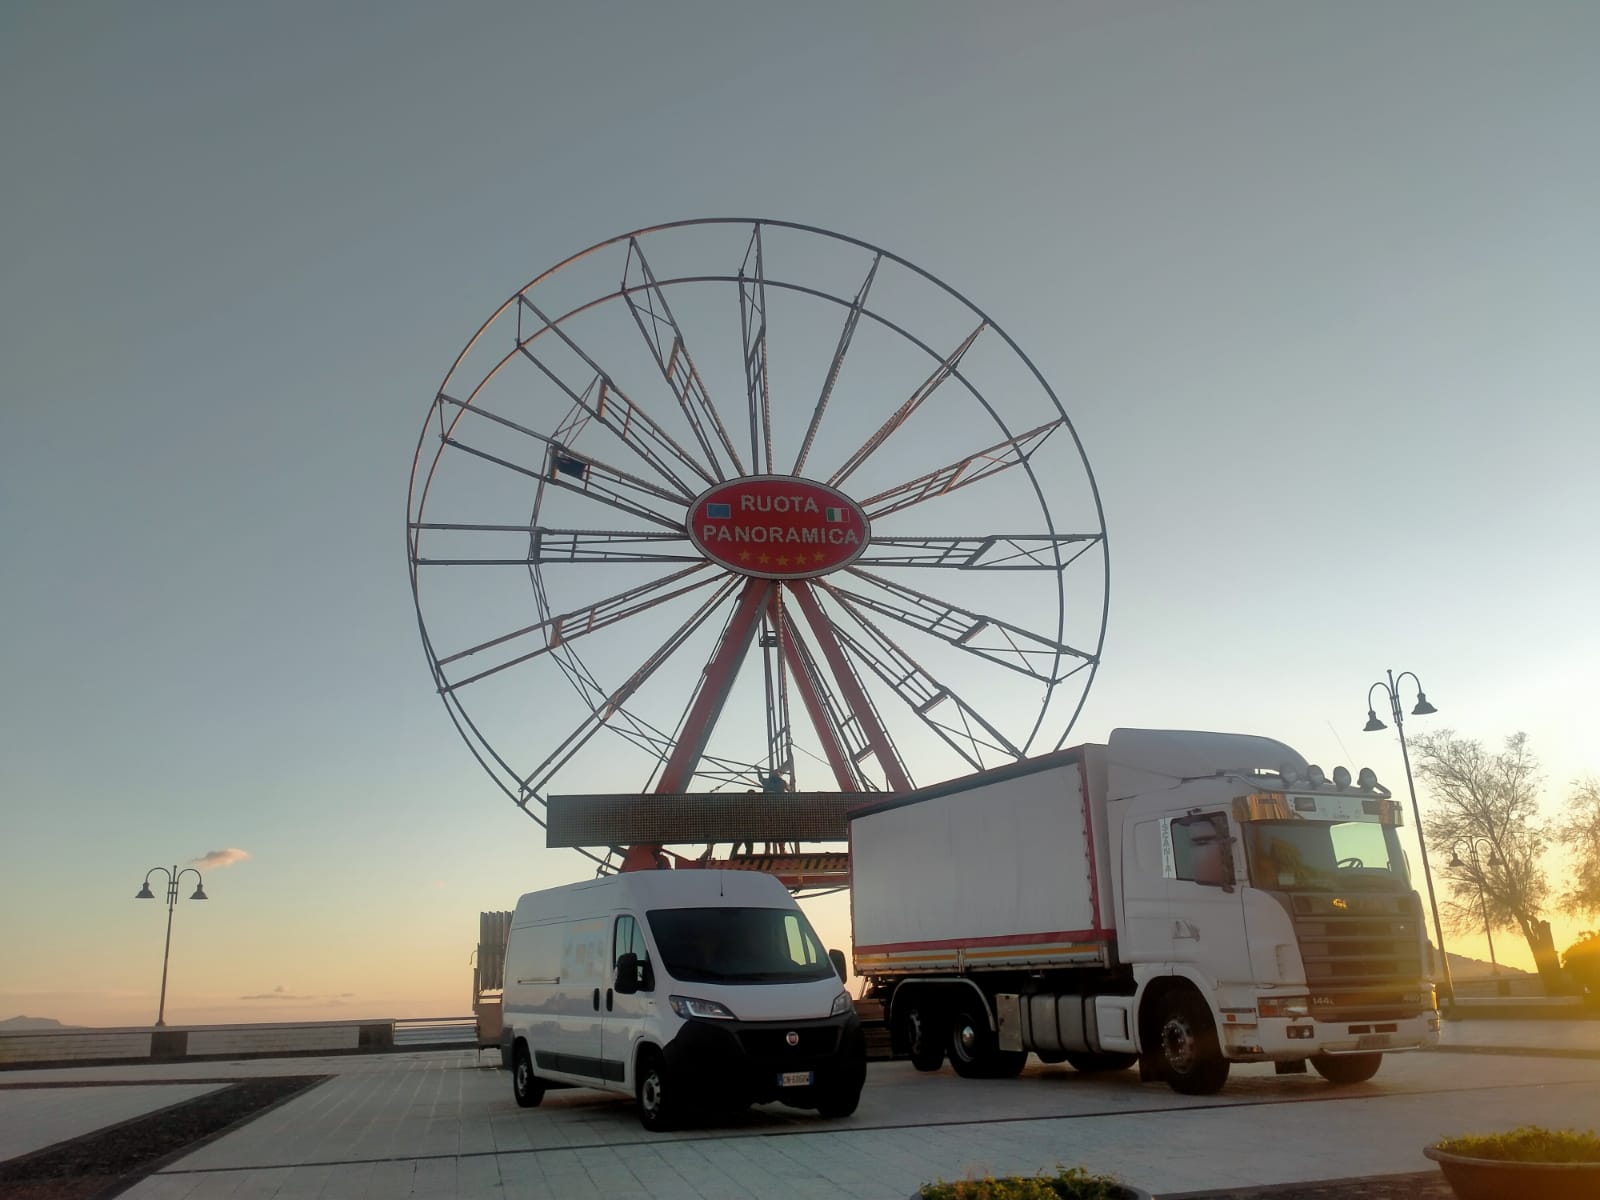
pixel 1314 856
pixel 738 945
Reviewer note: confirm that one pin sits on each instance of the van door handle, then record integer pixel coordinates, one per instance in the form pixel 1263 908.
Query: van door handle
pixel 597 999
pixel 608 999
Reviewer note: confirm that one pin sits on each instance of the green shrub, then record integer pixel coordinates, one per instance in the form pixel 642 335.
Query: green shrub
pixel 1527 1144
pixel 1067 1184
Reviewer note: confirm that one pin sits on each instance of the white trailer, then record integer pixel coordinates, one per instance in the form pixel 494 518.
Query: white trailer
pixel 1178 899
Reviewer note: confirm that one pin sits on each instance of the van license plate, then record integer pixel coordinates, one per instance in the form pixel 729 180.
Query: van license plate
pixel 1372 1041
pixel 795 1079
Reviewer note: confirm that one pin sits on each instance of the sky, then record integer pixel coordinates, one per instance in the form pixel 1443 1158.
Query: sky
pixel 1314 284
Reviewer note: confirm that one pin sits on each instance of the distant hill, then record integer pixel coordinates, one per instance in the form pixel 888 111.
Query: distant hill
pixel 12 1024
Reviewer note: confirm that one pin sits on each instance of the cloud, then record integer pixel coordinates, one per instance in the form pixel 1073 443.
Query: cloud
pixel 278 993
pixel 222 858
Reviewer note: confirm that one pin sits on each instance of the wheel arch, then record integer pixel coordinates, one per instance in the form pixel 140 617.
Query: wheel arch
pixel 947 989
pixel 1156 992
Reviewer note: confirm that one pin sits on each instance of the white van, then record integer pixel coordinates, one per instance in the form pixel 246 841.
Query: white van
pixel 689 989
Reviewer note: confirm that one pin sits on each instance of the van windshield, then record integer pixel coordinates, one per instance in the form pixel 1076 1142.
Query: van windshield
pixel 738 945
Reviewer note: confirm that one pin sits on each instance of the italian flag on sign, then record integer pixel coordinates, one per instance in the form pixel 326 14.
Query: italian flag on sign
pixel 834 514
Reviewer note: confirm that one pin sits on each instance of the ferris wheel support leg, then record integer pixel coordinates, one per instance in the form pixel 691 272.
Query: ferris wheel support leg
pixel 800 671
pixel 715 684
pixel 844 675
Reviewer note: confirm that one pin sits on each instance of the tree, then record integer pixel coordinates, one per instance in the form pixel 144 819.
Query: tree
pixel 1486 824
pixel 1580 834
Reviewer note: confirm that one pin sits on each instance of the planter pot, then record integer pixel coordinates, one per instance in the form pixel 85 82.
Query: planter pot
pixel 1494 1179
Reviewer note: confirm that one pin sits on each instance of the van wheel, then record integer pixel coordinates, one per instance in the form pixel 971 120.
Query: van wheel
pixel 525 1085
pixel 658 1112
pixel 973 1052
pixel 840 1103
pixel 922 1037
pixel 1094 1063
pixel 1343 1069
pixel 1191 1057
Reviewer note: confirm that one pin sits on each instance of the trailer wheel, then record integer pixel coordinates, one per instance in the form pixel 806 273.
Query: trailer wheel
pixel 922 1036
pixel 1344 1069
pixel 973 1052
pixel 1191 1057
pixel 525 1085
pixel 1094 1063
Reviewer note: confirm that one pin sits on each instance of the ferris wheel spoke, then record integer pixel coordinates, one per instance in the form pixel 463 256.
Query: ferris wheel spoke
pixel 565 546
pixel 604 709
pixel 979 465
pixel 609 546
pixel 851 320
pixel 568 627
pixel 753 327
pixel 989 552
pixel 598 483
pixel 612 407
pixel 654 317
pixel 978 634
pixel 902 414
pixel 860 704
pixel 927 697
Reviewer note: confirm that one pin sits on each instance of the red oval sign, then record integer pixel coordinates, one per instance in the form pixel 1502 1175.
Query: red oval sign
pixel 778 527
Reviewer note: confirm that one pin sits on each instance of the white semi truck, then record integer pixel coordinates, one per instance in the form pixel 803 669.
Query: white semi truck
pixel 1180 900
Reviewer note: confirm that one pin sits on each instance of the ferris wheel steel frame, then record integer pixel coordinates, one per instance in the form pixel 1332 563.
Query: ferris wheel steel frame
pixel 764 611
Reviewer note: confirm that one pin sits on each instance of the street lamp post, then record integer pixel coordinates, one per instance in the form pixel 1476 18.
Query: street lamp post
pixel 1477 877
pixel 145 893
pixel 1422 709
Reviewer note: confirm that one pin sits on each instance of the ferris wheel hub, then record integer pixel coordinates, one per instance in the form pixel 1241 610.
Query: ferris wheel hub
pixel 778 527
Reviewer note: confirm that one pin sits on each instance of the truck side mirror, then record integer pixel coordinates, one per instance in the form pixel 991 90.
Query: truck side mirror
pixel 626 982
pixel 836 957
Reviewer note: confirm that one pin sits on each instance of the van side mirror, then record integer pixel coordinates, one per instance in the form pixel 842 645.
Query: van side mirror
pixel 627 978
pixel 836 957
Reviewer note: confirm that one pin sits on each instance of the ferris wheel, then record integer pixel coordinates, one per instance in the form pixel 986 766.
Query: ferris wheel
pixel 725 507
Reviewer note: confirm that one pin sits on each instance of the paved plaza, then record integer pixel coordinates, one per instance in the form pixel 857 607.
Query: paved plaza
pixel 442 1124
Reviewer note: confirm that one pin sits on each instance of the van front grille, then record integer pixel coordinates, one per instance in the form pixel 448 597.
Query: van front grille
pixel 770 1043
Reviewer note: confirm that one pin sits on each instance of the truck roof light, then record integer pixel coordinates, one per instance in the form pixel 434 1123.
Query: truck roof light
pixel 1367 779
pixel 1341 777
pixel 1315 776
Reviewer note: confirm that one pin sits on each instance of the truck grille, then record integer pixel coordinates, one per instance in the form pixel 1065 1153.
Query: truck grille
pixel 1362 953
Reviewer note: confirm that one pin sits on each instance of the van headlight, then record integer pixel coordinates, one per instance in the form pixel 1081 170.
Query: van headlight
pixel 694 1006
pixel 1284 1006
pixel 841 1004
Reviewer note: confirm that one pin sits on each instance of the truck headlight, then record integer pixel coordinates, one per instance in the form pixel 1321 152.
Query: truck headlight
pixel 1284 1006
pixel 841 1004
pixel 693 1006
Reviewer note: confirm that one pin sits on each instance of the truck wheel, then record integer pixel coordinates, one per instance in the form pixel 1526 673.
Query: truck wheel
pixel 1106 1060
pixel 922 1038
pixel 525 1085
pixel 658 1111
pixel 973 1052
pixel 1344 1069
pixel 1191 1057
